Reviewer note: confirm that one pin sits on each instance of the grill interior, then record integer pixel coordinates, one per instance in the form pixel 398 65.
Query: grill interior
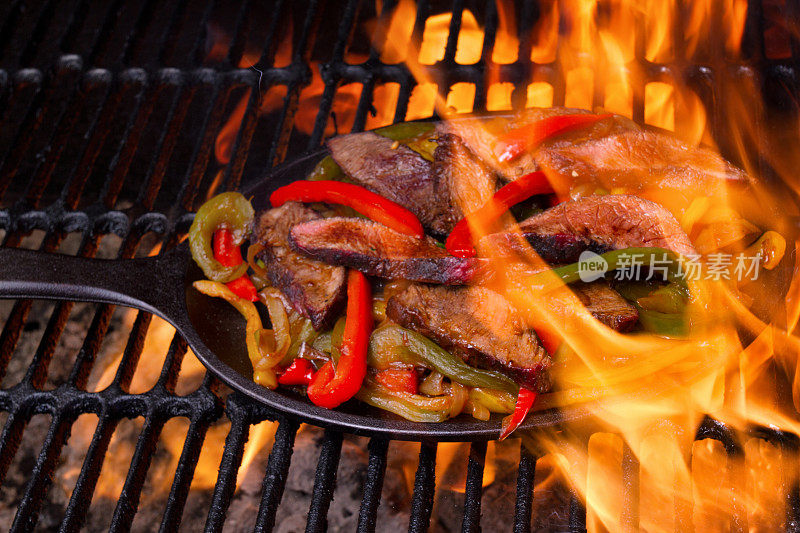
pixel 111 114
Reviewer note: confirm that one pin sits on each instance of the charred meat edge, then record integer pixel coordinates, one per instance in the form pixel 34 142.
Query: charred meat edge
pixel 462 178
pixel 378 250
pixel 456 318
pixel 596 223
pixel 316 290
pixel 399 174
pixel 606 305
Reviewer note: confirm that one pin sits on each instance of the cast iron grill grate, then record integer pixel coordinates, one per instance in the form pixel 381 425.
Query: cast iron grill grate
pixel 110 118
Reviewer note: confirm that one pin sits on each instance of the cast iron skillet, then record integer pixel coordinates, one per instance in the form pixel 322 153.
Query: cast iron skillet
pixel 162 285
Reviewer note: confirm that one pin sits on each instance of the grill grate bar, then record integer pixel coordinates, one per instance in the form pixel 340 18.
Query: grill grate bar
pixel 234 169
pixel 330 75
pixel 229 466
pixel 267 57
pixel 81 498
pixel 39 107
pixel 42 474
pixel 179 105
pixel 37 369
pixel 11 437
pixel 130 357
pixel 240 30
pixel 324 482
pixel 184 473
pixel 280 459
pixel 371 500
pixel 171 53
pixel 474 488
pixel 132 489
pixel 23 102
pixel 17 317
pixel 131 138
pixel 424 489
pixel 71 110
pixel 205 144
pixel 523 506
pixel 577 515
pixel 95 136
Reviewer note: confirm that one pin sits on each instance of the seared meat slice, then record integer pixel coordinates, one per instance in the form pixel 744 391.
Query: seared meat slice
pixel 636 160
pixel 316 290
pixel 481 135
pixel 597 223
pixel 477 324
pixel 380 251
pixel 399 174
pixel 606 305
pixel 461 177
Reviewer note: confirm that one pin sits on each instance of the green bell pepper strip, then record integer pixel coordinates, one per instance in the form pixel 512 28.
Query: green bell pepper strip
pixel 379 396
pixel 669 299
pixel 405 130
pixel 411 347
pixel 415 135
pixel 229 210
pixel 419 136
pixel 617 259
pixel 327 169
pixel 494 401
pixel 662 310
pixel 666 324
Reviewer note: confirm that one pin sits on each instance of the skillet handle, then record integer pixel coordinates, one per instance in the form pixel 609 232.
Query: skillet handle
pixel 153 284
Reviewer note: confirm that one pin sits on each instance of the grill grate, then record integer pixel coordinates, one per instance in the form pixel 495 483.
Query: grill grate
pixel 110 116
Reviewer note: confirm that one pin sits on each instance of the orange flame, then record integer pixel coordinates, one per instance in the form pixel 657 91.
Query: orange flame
pixel 648 393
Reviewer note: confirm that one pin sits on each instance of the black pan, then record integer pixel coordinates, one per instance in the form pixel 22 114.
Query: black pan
pixel 162 285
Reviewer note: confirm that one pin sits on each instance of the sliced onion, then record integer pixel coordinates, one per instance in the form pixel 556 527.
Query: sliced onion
pixel 281 328
pixel 265 374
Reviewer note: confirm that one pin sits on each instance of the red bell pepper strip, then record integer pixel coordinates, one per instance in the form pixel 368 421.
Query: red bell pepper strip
pixel 243 288
pixel 228 254
pixel 366 202
pixel 526 138
pixel 299 372
pixel 331 387
pixel 525 400
pixel 459 242
pixel 399 379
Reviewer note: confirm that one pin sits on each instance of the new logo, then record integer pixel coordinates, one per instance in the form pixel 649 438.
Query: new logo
pixel 591 266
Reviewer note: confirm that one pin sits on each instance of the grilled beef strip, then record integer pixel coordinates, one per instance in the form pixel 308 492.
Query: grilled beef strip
pixel 597 223
pixel 399 174
pixel 606 305
pixel 316 290
pixel 462 177
pixel 481 136
pixel 378 250
pixel 477 324
pixel 636 160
